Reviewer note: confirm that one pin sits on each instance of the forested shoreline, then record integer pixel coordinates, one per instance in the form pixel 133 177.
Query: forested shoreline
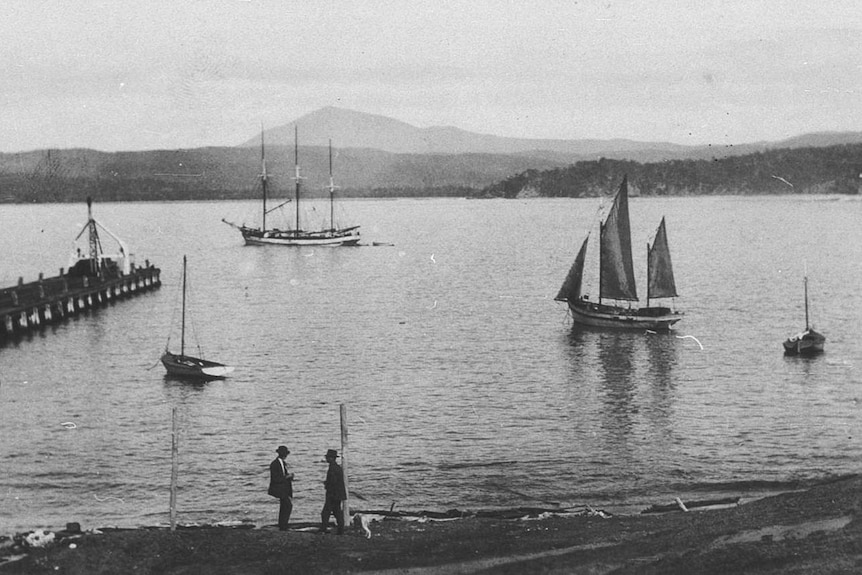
pixel 229 174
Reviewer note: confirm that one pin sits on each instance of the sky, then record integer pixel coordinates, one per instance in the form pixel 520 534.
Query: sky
pixel 118 75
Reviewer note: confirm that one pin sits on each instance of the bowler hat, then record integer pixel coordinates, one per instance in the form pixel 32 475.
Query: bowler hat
pixel 331 453
pixel 282 449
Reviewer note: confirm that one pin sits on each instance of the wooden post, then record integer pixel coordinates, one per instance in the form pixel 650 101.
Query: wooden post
pixel 346 507
pixel 174 469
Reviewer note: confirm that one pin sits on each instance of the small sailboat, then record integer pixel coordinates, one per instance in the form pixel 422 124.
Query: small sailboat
pixel 616 277
pixel 187 366
pixel 807 342
pixel 328 236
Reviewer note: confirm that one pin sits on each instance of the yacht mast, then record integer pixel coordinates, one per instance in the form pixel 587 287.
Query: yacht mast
pixel 297 177
pixel 263 178
pixel 183 329
pixel 331 190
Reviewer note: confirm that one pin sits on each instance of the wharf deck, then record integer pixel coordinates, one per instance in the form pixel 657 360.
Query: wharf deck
pixel 27 307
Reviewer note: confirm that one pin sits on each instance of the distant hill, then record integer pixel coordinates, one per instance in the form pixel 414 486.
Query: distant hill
pixel 233 173
pixel 813 170
pixel 380 156
pixel 351 129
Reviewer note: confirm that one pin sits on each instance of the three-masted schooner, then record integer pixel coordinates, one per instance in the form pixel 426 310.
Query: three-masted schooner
pixel 617 280
pixel 331 236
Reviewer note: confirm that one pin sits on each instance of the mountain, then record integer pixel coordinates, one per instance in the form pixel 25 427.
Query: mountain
pixel 380 156
pixel 352 129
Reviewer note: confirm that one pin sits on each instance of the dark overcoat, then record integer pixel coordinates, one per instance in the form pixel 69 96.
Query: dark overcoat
pixel 280 483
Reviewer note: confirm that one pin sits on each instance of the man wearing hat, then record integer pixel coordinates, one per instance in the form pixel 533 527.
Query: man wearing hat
pixel 335 494
pixel 281 486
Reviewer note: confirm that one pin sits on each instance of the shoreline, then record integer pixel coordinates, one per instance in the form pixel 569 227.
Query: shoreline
pixel 816 530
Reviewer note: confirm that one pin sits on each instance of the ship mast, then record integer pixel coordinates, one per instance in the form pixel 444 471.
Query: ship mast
pixel 297 177
pixel 183 328
pixel 332 188
pixel 648 283
pixel 95 244
pixel 263 179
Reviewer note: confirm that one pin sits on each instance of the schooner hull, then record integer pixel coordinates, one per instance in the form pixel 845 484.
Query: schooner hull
pixel 614 317
pixel 338 238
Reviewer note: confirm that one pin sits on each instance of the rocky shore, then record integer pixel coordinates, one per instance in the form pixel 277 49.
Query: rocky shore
pixel 818 531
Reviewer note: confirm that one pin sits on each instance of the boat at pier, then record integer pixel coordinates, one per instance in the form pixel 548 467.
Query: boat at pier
pixel 617 280
pixel 808 341
pixel 93 261
pixel 94 279
pixel 327 236
pixel 187 366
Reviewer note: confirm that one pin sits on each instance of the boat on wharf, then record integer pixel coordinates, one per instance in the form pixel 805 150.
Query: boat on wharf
pixel 93 279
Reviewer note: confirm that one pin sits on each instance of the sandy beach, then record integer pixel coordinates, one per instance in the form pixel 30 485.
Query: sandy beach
pixel 817 530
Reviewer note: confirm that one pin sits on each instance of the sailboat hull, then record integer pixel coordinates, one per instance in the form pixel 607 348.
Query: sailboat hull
pixel 193 367
pixel 615 317
pixel 345 237
pixel 808 343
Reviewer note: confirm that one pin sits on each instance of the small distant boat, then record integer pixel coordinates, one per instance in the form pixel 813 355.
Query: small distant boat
pixel 331 236
pixel 187 366
pixel 808 342
pixel 616 277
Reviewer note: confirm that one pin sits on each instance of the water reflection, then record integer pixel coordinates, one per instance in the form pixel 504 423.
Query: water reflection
pixel 633 372
pixel 178 390
pixel 616 351
pixel 663 351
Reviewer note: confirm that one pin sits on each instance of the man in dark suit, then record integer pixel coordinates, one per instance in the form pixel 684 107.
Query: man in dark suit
pixel 281 486
pixel 336 493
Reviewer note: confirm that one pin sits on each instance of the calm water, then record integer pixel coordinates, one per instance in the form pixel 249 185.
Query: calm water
pixel 465 385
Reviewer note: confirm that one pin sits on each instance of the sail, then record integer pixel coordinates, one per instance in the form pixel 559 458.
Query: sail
pixel 661 283
pixel 571 290
pixel 617 268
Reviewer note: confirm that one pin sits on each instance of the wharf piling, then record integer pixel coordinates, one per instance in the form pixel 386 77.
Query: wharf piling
pixel 26 307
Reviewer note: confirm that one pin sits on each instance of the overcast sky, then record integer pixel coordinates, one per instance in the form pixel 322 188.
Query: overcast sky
pixel 151 74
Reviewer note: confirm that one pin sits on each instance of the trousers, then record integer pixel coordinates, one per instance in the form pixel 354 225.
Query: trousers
pixel 284 510
pixel 332 507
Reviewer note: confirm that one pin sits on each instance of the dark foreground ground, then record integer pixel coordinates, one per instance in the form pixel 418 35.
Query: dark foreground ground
pixel 814 531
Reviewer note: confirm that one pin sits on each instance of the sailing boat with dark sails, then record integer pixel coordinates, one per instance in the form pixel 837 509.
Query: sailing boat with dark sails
pixel 330 236
pixel 617 279
pixel 187 366
pixel 808 342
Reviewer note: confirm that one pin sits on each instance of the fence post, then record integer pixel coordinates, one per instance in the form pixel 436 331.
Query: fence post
pixel 174 469
pixel 346 507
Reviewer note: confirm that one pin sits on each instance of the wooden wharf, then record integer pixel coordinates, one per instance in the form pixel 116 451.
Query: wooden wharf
pixel 27 307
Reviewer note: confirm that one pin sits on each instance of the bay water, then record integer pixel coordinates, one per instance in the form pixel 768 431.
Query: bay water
pixel 464 383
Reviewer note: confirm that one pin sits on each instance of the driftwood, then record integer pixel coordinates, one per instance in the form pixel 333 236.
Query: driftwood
pixel 679 505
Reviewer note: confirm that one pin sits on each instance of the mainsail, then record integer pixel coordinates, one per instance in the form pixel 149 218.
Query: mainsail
pixel 571 289
pixel 617 280
pixel 659 267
